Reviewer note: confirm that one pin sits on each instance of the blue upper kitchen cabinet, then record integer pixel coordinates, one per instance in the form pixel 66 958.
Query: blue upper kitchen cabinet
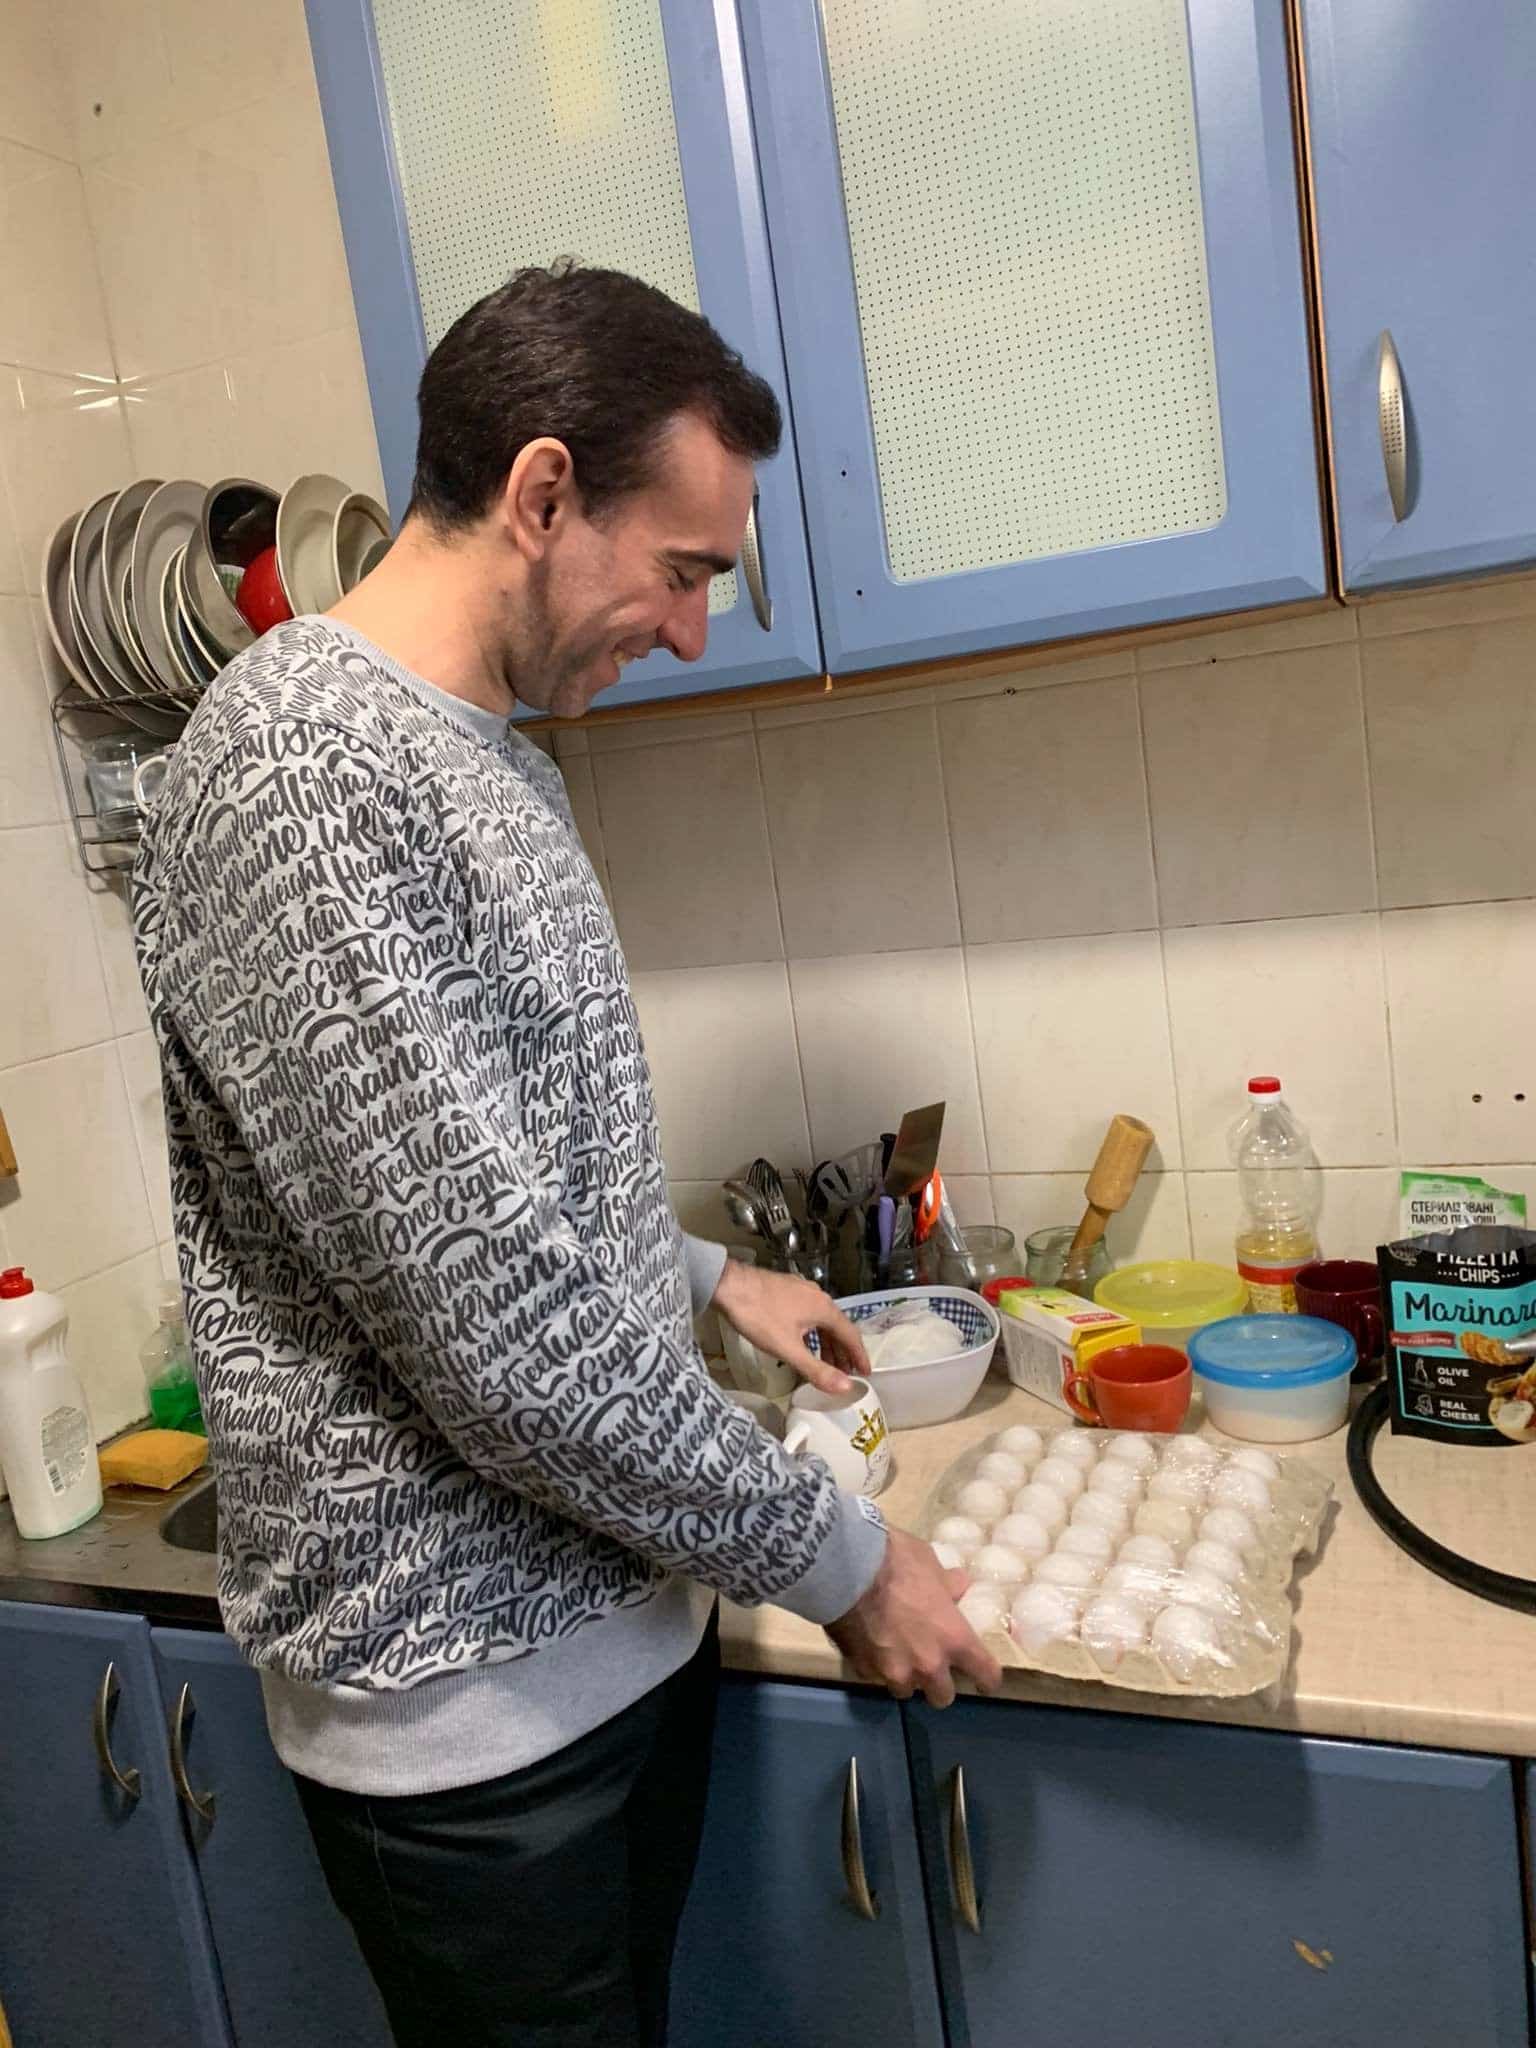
pixel 471 137
pixel 807 1924
pixel 1423 150
pixel 1040 281
pixel 1104 1880
pixel 103 1936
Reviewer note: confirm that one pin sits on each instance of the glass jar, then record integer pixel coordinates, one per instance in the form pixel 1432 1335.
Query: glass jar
pixel 1045 1253
pixel 991 1253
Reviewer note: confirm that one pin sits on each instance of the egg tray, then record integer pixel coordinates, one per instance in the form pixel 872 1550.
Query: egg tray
pixel 1243 1645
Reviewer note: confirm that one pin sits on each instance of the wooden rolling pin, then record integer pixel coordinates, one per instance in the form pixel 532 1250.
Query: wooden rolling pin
pixel 1110 1185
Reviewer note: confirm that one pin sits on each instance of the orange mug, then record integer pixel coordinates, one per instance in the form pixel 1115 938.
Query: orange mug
pixel 1133 1386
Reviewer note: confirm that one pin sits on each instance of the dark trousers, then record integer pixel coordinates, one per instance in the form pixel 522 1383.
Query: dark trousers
pixel 538 1910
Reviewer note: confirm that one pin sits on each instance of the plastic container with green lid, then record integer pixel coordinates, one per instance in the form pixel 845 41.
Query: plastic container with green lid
pixel 1172 1298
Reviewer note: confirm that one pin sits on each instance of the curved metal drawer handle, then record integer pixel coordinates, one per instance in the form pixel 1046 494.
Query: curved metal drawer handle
pixel 752 569
pixel 182 1716
pixel 1393 423
pixel 961 1869
pixel 864 1902
pixel 128 1781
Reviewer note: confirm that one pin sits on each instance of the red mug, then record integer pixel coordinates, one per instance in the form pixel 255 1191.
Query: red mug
pixel 1133 1386
pixel 1346 1292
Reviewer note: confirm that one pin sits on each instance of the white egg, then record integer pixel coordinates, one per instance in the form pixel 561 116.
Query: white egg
pixel 1076 1572
pixel 1184 1484
pixel 1111 1625
pixel 1188 1640
pixel 1219 1558
pixel 983 1498
pixel 962 1533
pixel 1004 1470
pixel 1044 1614
pixel 1148 1549
pixel 1024 1533
pixel 1239 1488
pixel 1001 1564
pixel 984 1607
pixel 1101 1511
pixel 1143 1583
pixel 1043 1502
pixel 1114 1476
pixel 1169 1519
pixel 1193 1587
pixel 1132 1450
pixel 1022 1442
pixel 1230 1526
pixel 1256 1461
pixel 1076 1445
pixel 1189 1451
pixel 1083 1540
pixel 1062 1476
pixel 948 1556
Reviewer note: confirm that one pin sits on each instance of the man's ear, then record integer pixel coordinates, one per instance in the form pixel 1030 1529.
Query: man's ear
pixel 540 493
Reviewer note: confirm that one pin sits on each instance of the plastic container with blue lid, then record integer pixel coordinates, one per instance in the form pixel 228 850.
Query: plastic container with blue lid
pixel 1274 1379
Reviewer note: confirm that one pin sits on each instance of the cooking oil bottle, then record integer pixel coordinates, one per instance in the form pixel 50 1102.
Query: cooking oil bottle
pixel 1281 1191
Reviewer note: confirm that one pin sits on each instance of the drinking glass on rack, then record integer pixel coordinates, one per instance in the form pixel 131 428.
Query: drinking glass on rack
pixel 123 773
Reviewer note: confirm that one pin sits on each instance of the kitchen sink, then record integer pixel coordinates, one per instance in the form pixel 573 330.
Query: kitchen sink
pixel 193 1524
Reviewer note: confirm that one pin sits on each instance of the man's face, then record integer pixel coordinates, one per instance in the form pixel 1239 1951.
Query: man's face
pixel 608 591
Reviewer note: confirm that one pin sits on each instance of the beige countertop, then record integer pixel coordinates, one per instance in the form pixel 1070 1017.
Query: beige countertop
pixel 1383 1650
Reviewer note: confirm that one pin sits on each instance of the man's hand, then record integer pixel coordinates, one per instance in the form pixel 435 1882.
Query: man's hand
pixel 775 1310
pixel 908 1635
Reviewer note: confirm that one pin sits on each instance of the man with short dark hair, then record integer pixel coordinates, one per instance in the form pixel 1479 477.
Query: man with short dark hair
pixel 477 1491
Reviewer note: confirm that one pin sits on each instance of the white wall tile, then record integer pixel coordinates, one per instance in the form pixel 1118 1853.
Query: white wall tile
pixel 1303 998
pixel 1461 983
pixel 1262 635
pixel 1048 675
pixel 698 1206
pixel 55 996
pixel 687 851
pixel 62 443
pixel 721 1042
pixel 1257 776
pixel 1451 719
pixel 882 1033
pixel 108 897
pixel 1068 1032
pixel 860 838
pixel 34 99
pixel 141 1077
pixel 1359 1213
pixel 1153 1224
pixel 582 791
pixel 29 769
pixel 1048 812
pixel 51 311
pixel 110 1316
pixel 78 1204
pixel 1456 604
pixel 847 698
pixel 970 1196
pixel 619 735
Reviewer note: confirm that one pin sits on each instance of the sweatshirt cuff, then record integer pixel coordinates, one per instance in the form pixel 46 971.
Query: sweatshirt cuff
pixel 845 1565
pixel 704 1263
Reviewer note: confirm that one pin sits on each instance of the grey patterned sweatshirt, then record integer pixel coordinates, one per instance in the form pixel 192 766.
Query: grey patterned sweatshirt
pixel 472 1470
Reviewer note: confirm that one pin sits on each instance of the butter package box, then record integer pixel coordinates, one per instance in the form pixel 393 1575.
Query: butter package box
pixel 1460 1313
pixel 1049 1335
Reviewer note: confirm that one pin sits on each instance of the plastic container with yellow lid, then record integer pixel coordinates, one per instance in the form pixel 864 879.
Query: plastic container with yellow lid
pixel 1172 1298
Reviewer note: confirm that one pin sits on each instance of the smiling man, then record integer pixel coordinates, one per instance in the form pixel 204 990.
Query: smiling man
pixel 478 1493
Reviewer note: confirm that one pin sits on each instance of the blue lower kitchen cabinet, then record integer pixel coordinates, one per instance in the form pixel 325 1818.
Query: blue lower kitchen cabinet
pixel 1108 1882
pixel 292 1973
pixel 103 1935
pixel 807 1924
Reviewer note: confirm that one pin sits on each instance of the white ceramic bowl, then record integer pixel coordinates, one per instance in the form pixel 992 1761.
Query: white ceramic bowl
pixel 915 1395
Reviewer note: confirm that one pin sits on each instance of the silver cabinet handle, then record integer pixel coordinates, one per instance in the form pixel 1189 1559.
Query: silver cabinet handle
pixel 961 1869
pixel 865 1904
pixel 1393 424
pixel 752 569
pixel 128 1782
pixel 182 1716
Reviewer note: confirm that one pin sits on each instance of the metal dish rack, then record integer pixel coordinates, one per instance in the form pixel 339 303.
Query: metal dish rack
pixel 147 715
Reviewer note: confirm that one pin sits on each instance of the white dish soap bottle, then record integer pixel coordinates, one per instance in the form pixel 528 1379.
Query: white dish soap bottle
pixel 47 1444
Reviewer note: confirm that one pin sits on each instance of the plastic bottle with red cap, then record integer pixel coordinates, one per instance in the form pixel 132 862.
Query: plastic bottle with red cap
pixel 1281 1189
pixel 47 1442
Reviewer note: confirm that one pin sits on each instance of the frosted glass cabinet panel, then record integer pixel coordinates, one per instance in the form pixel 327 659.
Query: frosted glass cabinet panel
pixel 1039 273
pixel 471 137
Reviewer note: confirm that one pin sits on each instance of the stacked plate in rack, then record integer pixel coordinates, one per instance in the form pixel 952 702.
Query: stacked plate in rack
pixel 145 592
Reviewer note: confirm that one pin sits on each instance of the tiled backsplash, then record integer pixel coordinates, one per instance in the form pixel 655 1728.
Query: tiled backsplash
pixel 1123 882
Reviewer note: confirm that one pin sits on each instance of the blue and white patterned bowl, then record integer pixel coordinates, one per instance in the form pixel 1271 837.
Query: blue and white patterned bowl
pixel 915 1395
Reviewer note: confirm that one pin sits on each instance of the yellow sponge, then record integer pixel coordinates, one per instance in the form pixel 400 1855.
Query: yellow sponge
pixel 153 1457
